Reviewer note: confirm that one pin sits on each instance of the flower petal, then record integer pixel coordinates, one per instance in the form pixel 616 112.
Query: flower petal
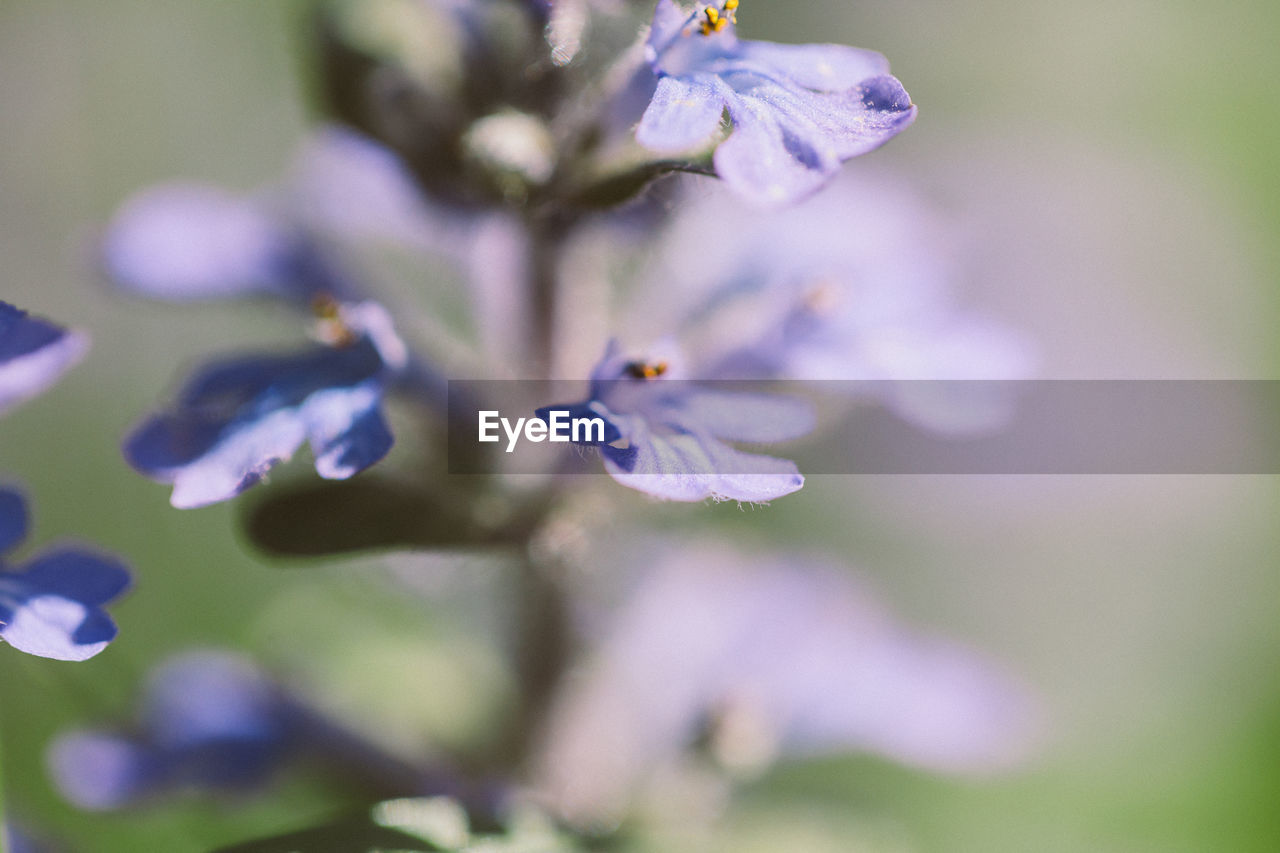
pixel 770 162
pixel 48 626
pixel 821 67
pixel 668 21
pixel 347 431
pixel 742 416
pixel 240 459
pixel 101 772
pixel 33 354
pixel 13 519
pixel 683 115
pixel 77 575
pixel 185 241
pixel 691 467
pixel 237 418
pixel 577 411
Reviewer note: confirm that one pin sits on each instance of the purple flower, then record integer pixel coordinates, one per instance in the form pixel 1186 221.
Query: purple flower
pixel 666 436
pixel 187 241
pixel 33 354
pixel 238 417
pixel 213 722
pixel 209 720
pixel 852 285
pixel 52 606
pixel 797 111
pixel 761 659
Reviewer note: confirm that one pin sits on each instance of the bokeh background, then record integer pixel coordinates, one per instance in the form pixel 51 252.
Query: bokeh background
pixel 1115 167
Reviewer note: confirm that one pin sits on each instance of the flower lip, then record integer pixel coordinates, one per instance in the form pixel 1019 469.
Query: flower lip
pixel 34 353
pixel 796 111
pixel 672 439
pixel 52 606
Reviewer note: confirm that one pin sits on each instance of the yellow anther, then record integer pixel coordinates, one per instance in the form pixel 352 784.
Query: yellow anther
pixel 712 23
pixel 646 370
pixel 718 17
pixel 331 328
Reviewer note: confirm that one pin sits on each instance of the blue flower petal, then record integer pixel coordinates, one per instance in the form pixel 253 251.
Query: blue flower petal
pixel 683 115
pixel 344 439
pixel 665 436
pixel 77 575
pixel 97 627
pixel 238 418
pixel 797 110
pixel 33 354
pixel 750 417
pixel 771 162
pixel 693 467
pixel 49 625
pixel 209 720
pixel 575 411
pixel 668 22
pixel 102 772
pixel 821 67
pixel 13 519
pixel 207 695
pixel 188 241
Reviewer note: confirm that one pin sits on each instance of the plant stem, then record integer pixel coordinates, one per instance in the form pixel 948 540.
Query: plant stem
pixel 542 637
pixel 547 236
pixel 543 642
pixel 4 826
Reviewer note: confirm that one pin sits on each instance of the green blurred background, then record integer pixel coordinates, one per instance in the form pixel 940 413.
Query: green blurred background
pixel 1116 168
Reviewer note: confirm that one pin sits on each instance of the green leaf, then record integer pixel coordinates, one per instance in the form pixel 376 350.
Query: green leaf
pixel 363 514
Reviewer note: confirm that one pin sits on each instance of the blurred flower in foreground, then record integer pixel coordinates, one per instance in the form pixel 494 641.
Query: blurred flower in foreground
pixel 213 722
pixel 237 418
pixel 762 660
pixel 187 241
pixel 666 437
pixel 797 111
pixel 209 720
pixel 15 840
pixel 33 354
pixel 52 606
pixel 852 285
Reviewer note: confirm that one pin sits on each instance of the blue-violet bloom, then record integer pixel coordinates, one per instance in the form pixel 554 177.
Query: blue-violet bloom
pixel 760 659
pixel 798 111
pixel 187 241
pixel 209 720
pixel 854 286
pixel 33 354
pixel 52 606
pixel 237 418
pixel 666 436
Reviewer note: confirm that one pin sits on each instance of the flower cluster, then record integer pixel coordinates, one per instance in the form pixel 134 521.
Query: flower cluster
pixel 494 200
